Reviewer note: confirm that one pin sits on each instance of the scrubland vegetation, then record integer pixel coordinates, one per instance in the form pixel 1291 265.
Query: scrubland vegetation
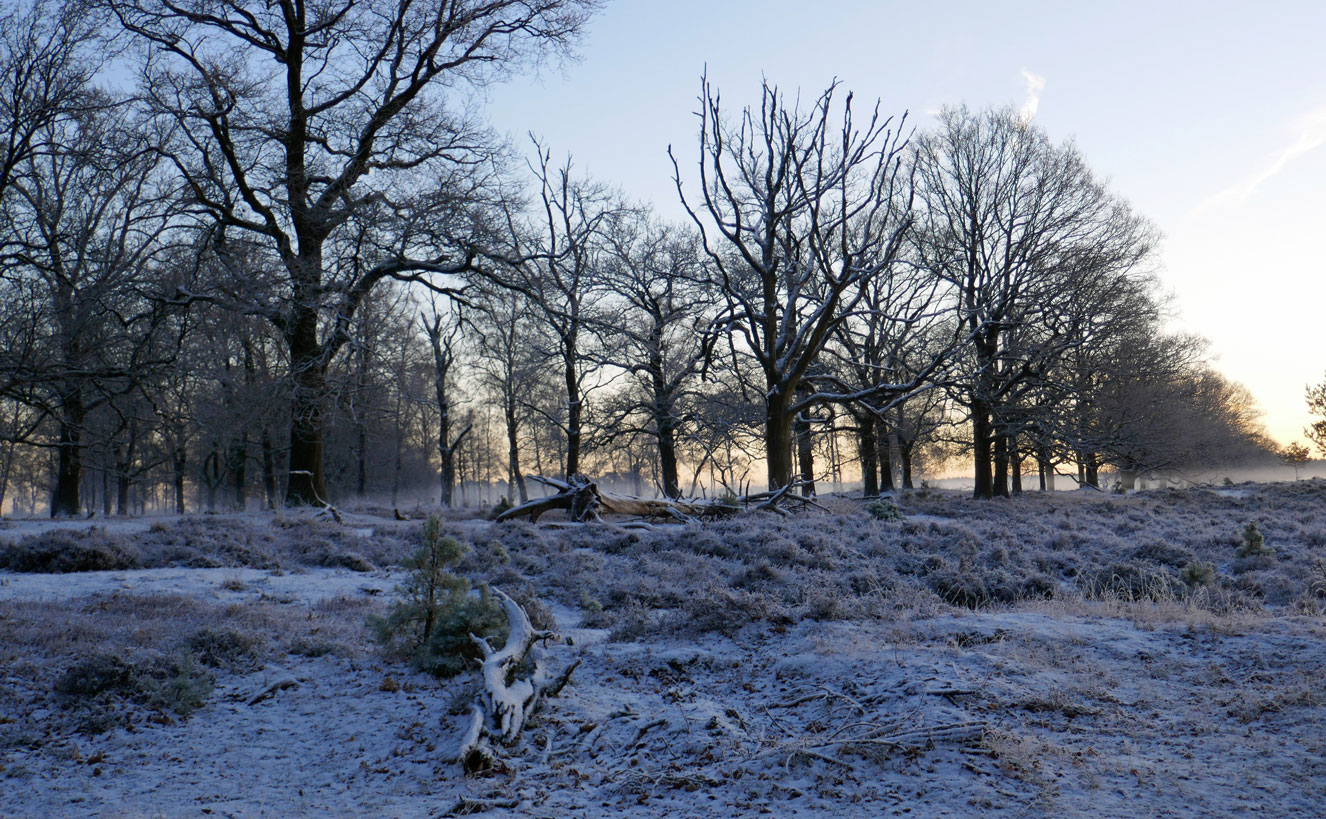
pixel 1049 654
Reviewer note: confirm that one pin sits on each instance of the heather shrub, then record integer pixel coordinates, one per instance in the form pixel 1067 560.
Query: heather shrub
pixel 726 611
pixel 61 551
pixel 224 648
pixel 95 675
pixel 1130 582
pixel 431 622
pixel 1158 551
pixel 206 543
pixel 99 687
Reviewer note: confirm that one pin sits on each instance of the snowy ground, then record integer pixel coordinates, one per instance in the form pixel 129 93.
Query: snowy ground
pixel 1060 707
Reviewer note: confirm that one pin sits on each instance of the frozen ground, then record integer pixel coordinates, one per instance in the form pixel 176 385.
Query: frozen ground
pixel 1057 704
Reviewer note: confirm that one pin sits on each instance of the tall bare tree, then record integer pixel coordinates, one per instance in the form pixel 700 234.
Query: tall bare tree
pixel 797 208
pixel 507 367
pixel 85 222
pixel 443 334
pixel 555 260
pixel 46 65
pixel 654 332
pixel 1011 221
pixel 327 135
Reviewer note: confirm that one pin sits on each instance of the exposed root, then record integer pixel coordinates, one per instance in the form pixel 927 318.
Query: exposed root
pixel 508 700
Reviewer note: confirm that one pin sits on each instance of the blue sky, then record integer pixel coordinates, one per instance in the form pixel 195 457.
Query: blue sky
pixel 1210 117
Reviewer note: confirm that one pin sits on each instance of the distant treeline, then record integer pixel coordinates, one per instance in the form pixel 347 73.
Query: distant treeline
pixel 289 264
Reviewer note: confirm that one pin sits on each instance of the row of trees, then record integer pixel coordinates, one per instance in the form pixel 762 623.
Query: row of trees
pixel 293 258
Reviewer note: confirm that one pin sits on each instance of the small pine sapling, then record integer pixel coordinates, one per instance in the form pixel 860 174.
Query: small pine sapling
pixel 1254 543
pixel 436 611
pixel 884 509
pixel 1198 573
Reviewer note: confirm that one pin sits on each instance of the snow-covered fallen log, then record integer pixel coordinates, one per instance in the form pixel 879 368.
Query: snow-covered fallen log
pixel 507 699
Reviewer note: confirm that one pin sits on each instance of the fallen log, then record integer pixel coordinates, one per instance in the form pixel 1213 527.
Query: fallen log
pixel 507 699
pixel 582 499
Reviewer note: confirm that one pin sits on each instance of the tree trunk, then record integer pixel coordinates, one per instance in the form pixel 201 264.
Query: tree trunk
pixel 573 411
pixel 1000 458
pixel 905 456
pixel 1015 465
pixel 865 447
pixel 268 468
pixel 306 485
pixel 213 476
pixel 179 462
pixel 122 492
pixel 4 473
pixel 805 454
pixel 981 433
pixel 515 480
pixel 361 471
pixel 69 459
pixel 239 472
pixel 667 456
pixel 778 440
pixel 884 444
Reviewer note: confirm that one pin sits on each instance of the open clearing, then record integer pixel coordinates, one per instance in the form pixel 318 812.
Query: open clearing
pixel 1035 657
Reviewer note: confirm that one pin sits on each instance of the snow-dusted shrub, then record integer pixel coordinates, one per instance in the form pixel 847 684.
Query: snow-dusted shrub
pixel 209 543
pixel 976 587
pixel 723 610
pixel 60 551
pixel 1162 553
pixel 224 648
pixel 99 688
pixel 431 622
pixel 1198 573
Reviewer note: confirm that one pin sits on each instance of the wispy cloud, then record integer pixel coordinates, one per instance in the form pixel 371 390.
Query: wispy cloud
pixel 1307 133
pixel 1035 85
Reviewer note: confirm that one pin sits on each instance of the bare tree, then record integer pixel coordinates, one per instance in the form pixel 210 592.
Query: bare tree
pixel 1010 220
pixel 507 366
pixel 45 67
pixel 298 125
pixel 655 333
pixel 555 261
pixel 798 209
pixel 1316 399
pixel 443 333
pixel 85 222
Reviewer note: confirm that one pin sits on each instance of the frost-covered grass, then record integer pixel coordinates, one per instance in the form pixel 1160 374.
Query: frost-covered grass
pixel 211 541
pixel 1071 655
